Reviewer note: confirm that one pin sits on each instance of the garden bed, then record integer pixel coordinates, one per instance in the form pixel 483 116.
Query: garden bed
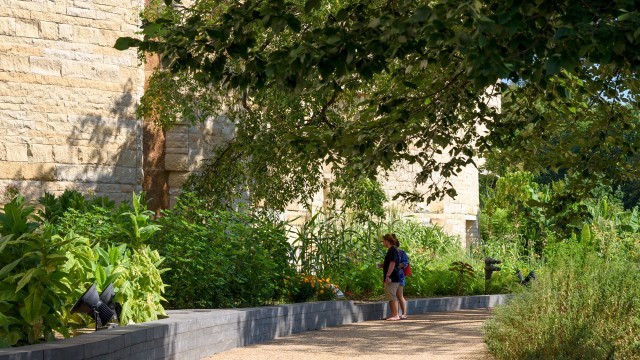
pixel 193 334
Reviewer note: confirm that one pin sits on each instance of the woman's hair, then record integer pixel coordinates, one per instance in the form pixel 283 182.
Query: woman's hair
pixel 395 238
pixel 392 239
pixel 389 238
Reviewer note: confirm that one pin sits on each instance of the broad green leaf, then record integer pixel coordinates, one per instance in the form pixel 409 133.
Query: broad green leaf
pixel 100 275
pixel 8 295
pixel 311 5
pixel 26 278
pixel 553 65
pixel 150 30
pixel 4 241
pixel 32 305
pixel 7 268
pixel 11 338
pixel 585 235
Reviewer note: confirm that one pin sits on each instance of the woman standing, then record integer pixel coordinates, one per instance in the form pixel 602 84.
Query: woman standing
pixel 390 276
pixel 403 261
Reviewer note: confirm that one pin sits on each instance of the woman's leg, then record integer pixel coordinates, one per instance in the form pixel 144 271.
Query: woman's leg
pixel 401 301
pixel 390 291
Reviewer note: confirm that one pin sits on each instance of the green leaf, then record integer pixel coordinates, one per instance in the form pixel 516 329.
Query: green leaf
pixel 61 286
pixel 625 16
pixel 150 30
pixel 11 338
pixel 553 65
pixel 332 40
pixel 374 23
pixel 32 305
pixel 103 254
pixel 7 268
pixel 585 235
pixel 310 5
pixel 342 14
pixel 26 278
pixel 9 295
pixel 4 241
pixel 100 275
pixel 294 23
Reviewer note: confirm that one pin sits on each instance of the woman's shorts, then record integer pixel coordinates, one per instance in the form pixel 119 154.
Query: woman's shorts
pixel 390 291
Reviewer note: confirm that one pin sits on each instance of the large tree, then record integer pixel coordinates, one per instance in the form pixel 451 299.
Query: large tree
pixel 365 84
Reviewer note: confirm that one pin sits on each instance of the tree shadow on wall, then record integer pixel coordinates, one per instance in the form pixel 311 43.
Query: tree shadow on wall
pixel 98 151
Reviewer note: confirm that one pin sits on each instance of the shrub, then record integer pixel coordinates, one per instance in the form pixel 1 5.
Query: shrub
pixel 586 309
pixel 221 258
pixel 31 277
pixel 135 274
pixel 45 268
pixel 302 288
pixel 54 207
pixel 130 224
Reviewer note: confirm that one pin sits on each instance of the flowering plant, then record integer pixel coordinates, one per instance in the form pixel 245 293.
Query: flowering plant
pixel 303 287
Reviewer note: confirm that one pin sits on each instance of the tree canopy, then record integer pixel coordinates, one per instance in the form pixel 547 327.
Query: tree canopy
pixel 365 84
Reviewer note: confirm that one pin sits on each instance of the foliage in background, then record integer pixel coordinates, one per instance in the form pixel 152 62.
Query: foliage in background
pixel 361 198
pixel 518 216
pixel 54 207
pixel 221 258
pixel 328 245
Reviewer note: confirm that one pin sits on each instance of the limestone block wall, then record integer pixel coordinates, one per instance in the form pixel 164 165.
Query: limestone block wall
pixel 67 98
pixel 186 146
pixel 457 216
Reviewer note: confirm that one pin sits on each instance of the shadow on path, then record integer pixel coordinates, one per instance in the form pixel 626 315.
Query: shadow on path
pixel 451 335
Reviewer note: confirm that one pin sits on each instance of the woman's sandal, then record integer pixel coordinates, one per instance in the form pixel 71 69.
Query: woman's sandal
pixel 404 317
pixel 395 318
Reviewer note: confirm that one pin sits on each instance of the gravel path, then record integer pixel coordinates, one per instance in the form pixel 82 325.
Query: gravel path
pixel 451 335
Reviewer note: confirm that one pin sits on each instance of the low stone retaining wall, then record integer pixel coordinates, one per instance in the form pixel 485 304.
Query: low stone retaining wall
pixel 193 334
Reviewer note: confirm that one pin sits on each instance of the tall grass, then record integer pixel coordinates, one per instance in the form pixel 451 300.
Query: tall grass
pixel 579 308
pixel 331 246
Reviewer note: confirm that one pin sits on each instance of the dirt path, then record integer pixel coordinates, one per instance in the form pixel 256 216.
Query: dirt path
pixel 451 335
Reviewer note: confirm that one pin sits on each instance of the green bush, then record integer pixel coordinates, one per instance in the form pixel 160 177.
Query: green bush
pixel 54 207
pixel 135 274
pixel 31 277
pixel 221 258
pixel 130 224
pixel 45 267
pixel 584 309
pixel 302 288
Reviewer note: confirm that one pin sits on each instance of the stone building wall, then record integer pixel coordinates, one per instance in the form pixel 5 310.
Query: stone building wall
pixel 67 98
pixel 187 146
